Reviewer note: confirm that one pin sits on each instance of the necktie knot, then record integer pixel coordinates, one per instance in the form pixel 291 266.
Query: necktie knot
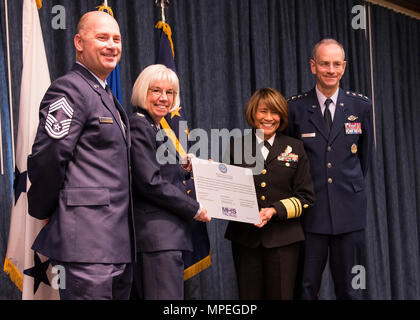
pixel 328 102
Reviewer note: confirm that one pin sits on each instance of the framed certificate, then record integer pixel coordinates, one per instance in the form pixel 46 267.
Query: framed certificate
pixel 227 192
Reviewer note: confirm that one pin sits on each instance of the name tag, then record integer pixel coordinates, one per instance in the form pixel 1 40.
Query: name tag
pixel 308 135
pixel 106 120
pixel 353 128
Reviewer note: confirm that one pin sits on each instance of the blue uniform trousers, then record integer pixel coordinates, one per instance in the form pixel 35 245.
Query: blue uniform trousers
pixel 95 281
pixel 345 251
pixel 160 275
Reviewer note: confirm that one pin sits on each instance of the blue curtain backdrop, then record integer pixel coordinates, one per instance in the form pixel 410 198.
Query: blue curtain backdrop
pixel 225 49
pixel 7 289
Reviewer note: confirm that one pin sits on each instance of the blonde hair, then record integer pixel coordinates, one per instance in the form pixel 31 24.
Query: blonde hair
pixel 150 75
pixel 274 100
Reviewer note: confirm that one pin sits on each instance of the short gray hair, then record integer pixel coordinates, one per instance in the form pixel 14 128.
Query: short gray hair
pixel 150 75
pixel 327 41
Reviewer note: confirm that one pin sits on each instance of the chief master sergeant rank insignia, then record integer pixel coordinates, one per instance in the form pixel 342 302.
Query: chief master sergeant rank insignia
pixel 59 119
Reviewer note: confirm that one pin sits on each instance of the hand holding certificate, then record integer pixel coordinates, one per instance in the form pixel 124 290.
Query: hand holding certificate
pixel 228 192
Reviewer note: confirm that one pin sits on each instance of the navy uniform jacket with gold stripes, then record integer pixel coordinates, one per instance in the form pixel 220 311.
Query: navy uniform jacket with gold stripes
pixel 339 161
pixel 285 184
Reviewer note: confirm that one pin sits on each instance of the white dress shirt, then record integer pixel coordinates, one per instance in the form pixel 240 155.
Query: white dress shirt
pixel 322 98
pixel 264 150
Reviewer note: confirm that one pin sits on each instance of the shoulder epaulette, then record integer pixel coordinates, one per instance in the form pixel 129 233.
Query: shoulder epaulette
pixel 357 95
pixel 298 96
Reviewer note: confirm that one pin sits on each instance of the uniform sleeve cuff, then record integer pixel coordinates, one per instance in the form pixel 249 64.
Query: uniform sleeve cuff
pixel 289 208
pixel 198 211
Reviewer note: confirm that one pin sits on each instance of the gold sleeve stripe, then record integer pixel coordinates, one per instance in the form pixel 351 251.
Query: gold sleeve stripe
pixel 298 205
pixel 293 207
pixel 290 208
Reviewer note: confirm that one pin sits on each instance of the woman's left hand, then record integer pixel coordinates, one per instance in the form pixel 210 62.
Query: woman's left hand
pixel 265 216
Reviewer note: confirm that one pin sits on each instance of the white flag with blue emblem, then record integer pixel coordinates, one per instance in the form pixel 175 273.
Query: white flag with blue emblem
pixel 27 269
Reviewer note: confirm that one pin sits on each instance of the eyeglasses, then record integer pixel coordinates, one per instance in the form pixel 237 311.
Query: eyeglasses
pixel 158 92
pixel 326 64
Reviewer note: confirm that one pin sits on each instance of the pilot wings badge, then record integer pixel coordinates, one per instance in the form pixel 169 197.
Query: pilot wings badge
pixel 59 119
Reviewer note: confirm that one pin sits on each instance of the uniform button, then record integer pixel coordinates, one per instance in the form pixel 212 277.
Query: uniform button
pixel 329 165
pixel 263 198
pixel 329 148
pixel 264 171
pixel 329 180
pixel 263 184
pixel 287 164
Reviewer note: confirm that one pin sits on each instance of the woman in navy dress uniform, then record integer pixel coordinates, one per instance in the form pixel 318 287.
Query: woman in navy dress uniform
pixel 266 255
pixel 163 211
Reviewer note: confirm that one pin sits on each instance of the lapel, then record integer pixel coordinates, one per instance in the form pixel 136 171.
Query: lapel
pixel 153 125
pixel 148 118
pixel 316 114
pixel 339 117
pixel 113 106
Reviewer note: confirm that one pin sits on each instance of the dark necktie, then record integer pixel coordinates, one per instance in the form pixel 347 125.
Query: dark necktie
pixel 111 96
pixel 109 91
pixel 267 145
pixel 327 114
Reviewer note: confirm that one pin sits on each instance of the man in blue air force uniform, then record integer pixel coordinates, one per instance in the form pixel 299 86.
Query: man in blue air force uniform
pixel 80 171
pixel 336 129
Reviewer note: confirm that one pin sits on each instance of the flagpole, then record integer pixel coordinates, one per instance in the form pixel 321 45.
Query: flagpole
pixel 163 11
pixel 163 4
pixel 6 11
pixel 1 148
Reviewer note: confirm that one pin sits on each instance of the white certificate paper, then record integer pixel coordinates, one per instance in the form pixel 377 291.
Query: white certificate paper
pixel 227 192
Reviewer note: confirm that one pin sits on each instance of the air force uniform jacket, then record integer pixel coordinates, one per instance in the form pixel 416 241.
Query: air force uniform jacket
pixel 163 210
pixel 79 171
pixel 339 160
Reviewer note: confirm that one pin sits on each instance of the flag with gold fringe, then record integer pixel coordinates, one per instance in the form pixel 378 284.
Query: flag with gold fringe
pixel 176 129
pixel 30 271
